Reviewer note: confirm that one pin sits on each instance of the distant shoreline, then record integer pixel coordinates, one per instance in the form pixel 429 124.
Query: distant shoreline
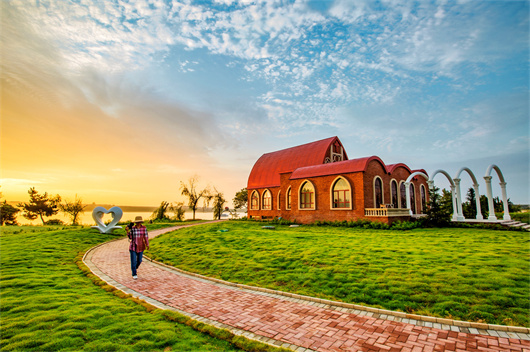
pixel 125 208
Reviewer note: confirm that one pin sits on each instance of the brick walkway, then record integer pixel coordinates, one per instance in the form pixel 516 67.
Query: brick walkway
pixel 291 322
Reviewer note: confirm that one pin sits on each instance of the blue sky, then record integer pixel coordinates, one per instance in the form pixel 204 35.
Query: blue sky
pixel 162 90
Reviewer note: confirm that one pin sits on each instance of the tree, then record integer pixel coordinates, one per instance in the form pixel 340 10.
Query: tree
pixel 218 204
pixel 241 199
pixel 73 208
pixel 190 190
pixel 40 205
pixel 160 212
pixel 178 211
pixel 8 214
pixel 469 208
pixel 438 214
pixel 446 201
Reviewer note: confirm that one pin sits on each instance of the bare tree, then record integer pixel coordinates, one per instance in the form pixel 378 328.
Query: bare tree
pixel 218 204
pixel 178 211
pixel 194 195
pixel 73 208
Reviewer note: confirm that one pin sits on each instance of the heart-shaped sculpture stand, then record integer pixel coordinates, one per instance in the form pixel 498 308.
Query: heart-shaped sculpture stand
pixel 97 215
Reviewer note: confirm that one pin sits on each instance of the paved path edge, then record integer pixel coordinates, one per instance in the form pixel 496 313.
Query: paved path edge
pixel 238 332
pixel 420 320
pixel 506 331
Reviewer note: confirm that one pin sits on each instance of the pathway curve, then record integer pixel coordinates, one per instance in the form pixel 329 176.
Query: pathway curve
pixel 299 324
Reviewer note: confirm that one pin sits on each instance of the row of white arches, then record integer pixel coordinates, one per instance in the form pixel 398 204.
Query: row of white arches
pixel 456 194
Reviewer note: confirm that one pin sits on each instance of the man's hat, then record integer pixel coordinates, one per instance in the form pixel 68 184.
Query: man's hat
pixel 138 219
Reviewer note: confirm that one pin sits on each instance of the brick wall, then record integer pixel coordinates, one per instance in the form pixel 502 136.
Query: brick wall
pixel 362 196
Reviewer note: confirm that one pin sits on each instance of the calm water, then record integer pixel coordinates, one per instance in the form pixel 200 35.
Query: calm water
pixel 86 217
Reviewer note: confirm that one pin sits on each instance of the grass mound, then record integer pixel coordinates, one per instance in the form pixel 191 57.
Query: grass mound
pixel 457 273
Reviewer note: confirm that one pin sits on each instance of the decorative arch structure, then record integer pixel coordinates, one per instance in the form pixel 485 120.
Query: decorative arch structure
pixel 451 182
pixel 491 207
pixel 460 213
pixel 407 187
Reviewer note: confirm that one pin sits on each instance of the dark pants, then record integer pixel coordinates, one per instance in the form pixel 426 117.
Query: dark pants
pixel 136 260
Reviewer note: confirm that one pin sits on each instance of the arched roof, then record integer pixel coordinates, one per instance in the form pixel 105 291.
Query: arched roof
pixel 340 167
pixel 266 171
pixel 390 168
pixel 343 167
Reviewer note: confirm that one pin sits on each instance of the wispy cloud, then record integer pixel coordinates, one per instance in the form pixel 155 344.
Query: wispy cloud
pixel 206 76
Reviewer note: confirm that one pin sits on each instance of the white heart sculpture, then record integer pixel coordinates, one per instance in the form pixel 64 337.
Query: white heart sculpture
pixel 97 215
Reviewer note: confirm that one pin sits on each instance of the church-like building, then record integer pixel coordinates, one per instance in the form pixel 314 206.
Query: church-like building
pixel 317 182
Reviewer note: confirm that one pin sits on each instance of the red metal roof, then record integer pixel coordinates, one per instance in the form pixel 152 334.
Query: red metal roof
pixel 340 167
pixel 392 167
pixel 266 171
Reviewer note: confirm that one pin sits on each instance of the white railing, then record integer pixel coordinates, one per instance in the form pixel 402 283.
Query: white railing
pixel 386 212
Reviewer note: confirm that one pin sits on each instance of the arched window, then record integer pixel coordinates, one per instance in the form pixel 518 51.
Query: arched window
pixel 279 197
pixel 254 201
pixel 307 196
pixel 378 192
pixel 423 199
pixel 341 194
pixel 267 200
pixel 394 190
pixel 412 199
pixel 288 199
pixel 403 195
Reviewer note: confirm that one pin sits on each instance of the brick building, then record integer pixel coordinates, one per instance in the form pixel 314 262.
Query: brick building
pixel 316 181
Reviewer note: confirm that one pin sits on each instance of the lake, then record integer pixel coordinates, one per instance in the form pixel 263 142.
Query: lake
pixel 86 217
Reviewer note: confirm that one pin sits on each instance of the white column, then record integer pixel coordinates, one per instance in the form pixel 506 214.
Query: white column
pixel 453 196
pixel 477 200
pixel 407 195
pixel 505 202
pixel 491 208
pixel 460 213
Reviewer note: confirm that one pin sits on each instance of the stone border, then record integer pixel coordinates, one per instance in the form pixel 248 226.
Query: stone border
pixel 505 331
pixel 238 332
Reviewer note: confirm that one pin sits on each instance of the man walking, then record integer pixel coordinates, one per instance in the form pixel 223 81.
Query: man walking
pixel 139 242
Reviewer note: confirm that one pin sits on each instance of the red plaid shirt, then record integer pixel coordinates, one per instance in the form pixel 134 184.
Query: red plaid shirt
pixel 139 239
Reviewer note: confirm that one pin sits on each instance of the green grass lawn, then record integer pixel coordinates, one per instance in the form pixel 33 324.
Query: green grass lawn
pixel 464 274
pixel 49 304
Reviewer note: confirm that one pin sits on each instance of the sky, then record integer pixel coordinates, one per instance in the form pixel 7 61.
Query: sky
pixel 118 102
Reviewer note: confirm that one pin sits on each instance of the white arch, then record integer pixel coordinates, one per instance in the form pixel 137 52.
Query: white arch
pixel 489 191
pixel 407 187
pixel 497 169
pixel 460 214
pixel 451 182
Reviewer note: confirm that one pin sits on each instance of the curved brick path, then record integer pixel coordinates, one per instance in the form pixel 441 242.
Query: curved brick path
pixel 297 324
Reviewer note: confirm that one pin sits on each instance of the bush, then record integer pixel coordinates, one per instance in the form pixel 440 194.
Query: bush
pixel 522 217
pixel 280 221
pixel 54 222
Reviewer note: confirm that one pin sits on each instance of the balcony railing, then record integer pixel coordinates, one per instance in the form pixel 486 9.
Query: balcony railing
pixel 386 212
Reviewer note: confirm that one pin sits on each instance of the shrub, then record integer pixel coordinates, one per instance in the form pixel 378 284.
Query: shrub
pixel 54 222
pixel 522 217
pixel 280 221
